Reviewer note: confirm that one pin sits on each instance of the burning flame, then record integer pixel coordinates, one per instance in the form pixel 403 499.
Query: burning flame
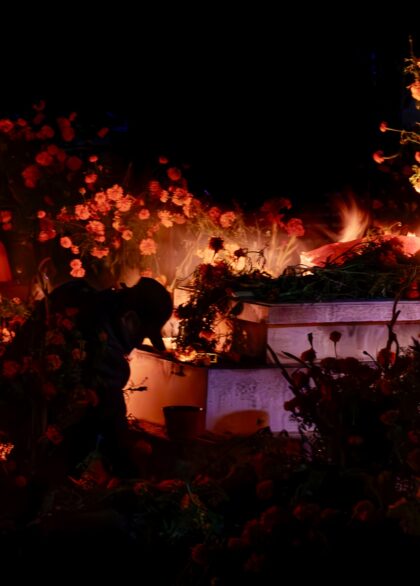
pixel 354 222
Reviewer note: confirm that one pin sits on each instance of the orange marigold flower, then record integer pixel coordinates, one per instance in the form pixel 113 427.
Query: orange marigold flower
pixel 76 263
pixel 78 273
pixel 174 173
pixel 378 157
pixel 44 235
pixel 294 227
pixel 6 125
pixel 147 246
pixel 5 216
pixel 415 90
pixel 127 234
pixel 227 219
pixel 91 178
pixel 66 242
pixel 154 187
pixel 44 159
pixel 214 213
pixel 99 252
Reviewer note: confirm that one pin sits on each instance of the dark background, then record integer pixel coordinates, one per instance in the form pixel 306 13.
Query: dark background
pixel 257 104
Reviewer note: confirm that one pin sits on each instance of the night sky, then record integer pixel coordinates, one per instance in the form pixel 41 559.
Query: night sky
pixel 257 105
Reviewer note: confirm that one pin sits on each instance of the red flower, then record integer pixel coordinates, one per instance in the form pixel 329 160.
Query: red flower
pixel 45 132
pixel 294 227
pixel 378 157
pixel 6 125
pixel 102 132
pixel 31 176
pixel 44 158
pixel 174 174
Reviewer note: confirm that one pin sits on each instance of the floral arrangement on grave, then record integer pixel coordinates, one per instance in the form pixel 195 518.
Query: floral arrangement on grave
pixel 162 231
pixel 62 186
pixel 207 320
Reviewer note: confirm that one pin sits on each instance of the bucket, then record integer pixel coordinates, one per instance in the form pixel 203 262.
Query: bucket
pixel 183 421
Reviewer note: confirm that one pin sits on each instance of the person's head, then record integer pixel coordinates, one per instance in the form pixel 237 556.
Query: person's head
pixel 145 308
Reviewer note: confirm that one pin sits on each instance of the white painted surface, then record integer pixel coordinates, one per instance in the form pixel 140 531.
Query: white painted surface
pixel 363 327
pixel 166 382
pixel 332 312
pixel 242 400
pixel 236 401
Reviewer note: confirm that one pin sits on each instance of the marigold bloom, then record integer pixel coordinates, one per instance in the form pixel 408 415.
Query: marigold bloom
pixel 415 90
pixel 147 246
pixel 127 234
pixel 66 242
pixel 174 173
pixel 378 157
pixel 227 219
pixel 294 227
pixel 91 178
pixel 78 273
pixel 6 125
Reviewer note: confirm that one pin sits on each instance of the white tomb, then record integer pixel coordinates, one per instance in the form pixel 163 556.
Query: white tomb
pixel 244 399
